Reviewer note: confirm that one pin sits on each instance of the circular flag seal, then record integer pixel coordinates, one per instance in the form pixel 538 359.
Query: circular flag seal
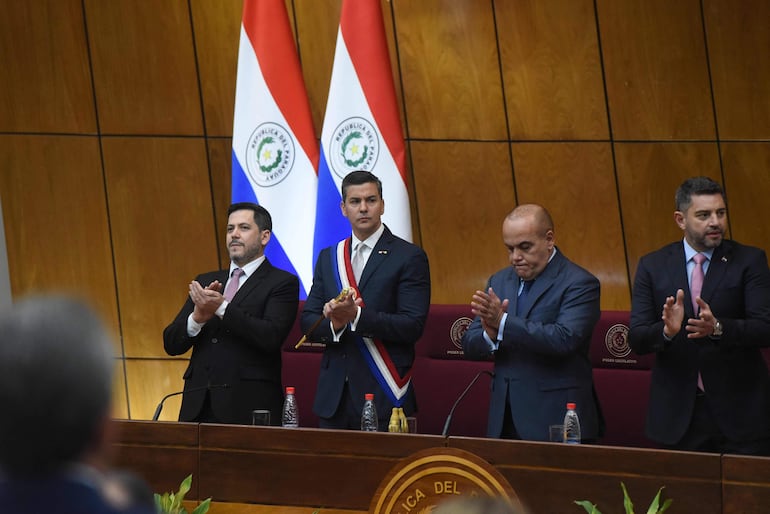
pixel 458 329
pixel 616 340
pixel 355 146
pixel 269 154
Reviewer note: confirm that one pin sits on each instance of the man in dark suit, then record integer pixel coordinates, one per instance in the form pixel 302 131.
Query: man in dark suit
pixel 371 332
pixel 710 388
pixel 56 375
pixel 236 335
pixel 536 319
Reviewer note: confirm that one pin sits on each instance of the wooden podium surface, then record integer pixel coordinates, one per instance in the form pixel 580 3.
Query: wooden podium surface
pixel 343 469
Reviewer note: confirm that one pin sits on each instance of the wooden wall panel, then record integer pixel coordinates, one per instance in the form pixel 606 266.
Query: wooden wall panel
pixel 163 231
pixel 648 176
pixel 551 67
pixel 56 223
pixel 46 86
pixel 217 28
pixel 738 39
pixel 464 191
pixel 144 67
pixel 317 23
pixel 450 69
pixel 220 162
pixel 119 396
pixel 747 184
pixel 656 71
pixel 576 183
pixel 149 380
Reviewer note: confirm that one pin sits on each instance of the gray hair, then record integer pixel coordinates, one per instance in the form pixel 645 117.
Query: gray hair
pixel 56 371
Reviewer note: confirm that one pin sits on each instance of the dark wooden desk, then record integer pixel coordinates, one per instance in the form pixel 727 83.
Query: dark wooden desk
pixel 342 469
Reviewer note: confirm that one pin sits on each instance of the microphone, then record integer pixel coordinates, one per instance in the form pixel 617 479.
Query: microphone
pixel 191 390
pixel 459 399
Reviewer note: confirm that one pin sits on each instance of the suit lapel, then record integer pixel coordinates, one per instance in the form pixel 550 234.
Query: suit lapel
pixel 377 257
pixel 716 271
pixel 676 269
pixel 253 281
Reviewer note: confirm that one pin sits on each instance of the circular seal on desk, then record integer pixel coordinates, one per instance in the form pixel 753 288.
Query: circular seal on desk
pixel 616 340
pixel 426 478
pixel 269 154
pixel 354 146
pixel 458 329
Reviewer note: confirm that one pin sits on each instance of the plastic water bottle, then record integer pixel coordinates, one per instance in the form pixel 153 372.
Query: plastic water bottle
pixel 369 414
pixel 571 425
pixel 290 417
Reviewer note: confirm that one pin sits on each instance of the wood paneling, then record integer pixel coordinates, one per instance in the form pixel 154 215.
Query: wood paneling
pixel 161 217
pixel 450 69
pixel 464 191
pixel 747 184
pixel 55 215
pixel 149 380
pixel 217 26
pixel 656 71
pixel 738 40
pixel 648 176
pixel 144 67
pixel 220 162
pixel 566 178
pixel 551 67
pixel 317 23
pixel 119 395
pixel 46 85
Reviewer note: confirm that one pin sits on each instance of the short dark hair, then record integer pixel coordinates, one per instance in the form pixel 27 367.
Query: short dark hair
pixel 356 178
pixel 56 369
pixel 696 186
pixel 261 216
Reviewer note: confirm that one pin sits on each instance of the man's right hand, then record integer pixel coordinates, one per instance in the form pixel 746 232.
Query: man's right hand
pixel 206 299
pixel 673 314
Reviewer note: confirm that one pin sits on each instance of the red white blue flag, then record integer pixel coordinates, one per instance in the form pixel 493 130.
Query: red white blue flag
pixel 361 128
pixel 275 152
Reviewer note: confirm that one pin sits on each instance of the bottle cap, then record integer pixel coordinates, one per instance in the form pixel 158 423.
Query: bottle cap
pixel 571 406
pixel 368 396
pixel 289 390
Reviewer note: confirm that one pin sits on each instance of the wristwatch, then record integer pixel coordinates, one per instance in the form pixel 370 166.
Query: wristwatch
pixel 717 329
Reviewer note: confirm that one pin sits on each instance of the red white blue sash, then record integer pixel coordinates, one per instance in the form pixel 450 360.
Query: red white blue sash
pixel 373 350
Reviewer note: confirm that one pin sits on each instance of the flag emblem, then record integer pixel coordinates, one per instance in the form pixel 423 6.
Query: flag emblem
pixel 269 154
pixel 355 146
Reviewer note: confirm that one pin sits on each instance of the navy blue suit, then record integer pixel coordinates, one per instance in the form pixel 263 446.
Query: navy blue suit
pixel 735 377
pixel 59 495
pixel 395 286
pixel 542 362
pixel 242 350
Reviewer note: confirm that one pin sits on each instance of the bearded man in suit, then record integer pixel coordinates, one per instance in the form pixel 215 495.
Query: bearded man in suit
pixel 536 318
pixel 235 320
pixel 702 305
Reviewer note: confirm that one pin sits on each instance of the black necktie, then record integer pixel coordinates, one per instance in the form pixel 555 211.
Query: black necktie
pixel 523 296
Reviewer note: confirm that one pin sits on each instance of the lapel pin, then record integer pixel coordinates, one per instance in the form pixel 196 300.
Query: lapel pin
pixel 383 252
pixel 724 259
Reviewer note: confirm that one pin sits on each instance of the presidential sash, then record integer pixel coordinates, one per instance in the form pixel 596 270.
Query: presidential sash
pixel 373 350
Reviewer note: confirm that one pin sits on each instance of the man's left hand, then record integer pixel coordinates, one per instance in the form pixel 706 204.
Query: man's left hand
pixel 704 324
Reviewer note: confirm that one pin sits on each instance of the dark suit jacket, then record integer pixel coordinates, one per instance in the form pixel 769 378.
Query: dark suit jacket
pixel 58 495
pixel 542 362
pixel 737 288
pixel 395 286
pixel 242 350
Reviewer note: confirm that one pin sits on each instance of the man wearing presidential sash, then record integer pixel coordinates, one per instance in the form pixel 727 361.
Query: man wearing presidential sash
pixel 370 332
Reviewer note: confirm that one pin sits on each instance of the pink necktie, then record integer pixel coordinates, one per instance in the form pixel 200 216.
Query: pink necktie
pixel 696 280
pixel 696 285
pixel 232 284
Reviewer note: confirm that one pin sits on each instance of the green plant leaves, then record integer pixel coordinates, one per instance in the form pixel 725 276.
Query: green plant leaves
pixel 655 507
pixel 171 503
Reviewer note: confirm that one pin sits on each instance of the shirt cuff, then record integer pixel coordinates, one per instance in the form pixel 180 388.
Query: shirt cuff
pixel 193 327
pixel 221 309
pixel 354 323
